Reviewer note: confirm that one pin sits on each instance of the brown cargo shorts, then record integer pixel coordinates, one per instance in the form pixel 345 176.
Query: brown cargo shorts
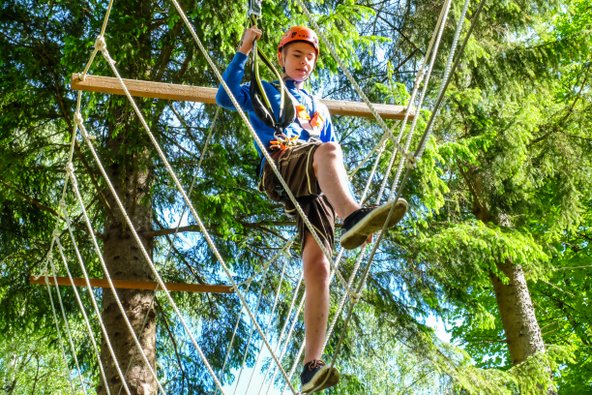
pixel 295 166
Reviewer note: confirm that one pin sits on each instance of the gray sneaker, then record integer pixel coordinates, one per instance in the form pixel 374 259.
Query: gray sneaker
pixel 363 222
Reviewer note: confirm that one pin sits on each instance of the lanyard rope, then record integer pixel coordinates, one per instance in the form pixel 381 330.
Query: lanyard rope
pixel 261 103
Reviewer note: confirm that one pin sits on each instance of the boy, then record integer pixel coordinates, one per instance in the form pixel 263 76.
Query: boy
pixel 310 161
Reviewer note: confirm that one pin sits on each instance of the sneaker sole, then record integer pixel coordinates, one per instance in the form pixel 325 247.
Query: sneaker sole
pixel 373 222
pixel 327 377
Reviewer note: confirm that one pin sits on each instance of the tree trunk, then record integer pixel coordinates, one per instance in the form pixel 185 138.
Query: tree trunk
pixel 521 327
pixel 130 170
pixel 523 333
pixel 124 259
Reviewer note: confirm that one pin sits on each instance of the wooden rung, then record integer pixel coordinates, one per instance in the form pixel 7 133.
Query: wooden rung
pixel 166 91
pixel 133 284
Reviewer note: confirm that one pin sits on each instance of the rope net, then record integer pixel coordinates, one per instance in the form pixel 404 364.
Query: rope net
pixel 266 327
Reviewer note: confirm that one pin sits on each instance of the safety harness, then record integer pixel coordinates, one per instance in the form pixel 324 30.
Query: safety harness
pixel 313 125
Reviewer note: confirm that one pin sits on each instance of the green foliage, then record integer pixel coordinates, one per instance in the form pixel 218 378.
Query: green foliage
pixel 529 378
pixel 31 363
pixel 342 32
pixel 505 177
pixel 476 248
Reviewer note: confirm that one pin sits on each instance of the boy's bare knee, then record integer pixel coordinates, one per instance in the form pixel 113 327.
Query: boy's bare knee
pixel 328 151
pixel 316 265
pixel 316 272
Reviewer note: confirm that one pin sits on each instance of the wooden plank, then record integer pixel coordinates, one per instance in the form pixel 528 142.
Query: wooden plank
pixel 134 284
pixel 166 91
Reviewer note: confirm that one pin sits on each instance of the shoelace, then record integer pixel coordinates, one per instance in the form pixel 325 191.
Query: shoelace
pixel 314 364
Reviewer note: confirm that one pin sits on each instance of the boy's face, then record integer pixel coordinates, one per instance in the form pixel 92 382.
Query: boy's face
pixel 298 59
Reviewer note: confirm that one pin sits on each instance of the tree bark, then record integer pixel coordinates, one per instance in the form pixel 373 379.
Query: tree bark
pixel 522 330
pixel 125 260
pixel 521 327
pixel 130 169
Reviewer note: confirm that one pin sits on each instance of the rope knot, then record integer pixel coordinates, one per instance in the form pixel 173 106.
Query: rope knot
pixel 78 118
pixel 69 168
pixel 411 162
pixel 62 203
pixel 56 233
pixel 355 297
pixel 100 44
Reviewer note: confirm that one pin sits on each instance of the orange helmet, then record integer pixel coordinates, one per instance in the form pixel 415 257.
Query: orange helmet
pixel 299 33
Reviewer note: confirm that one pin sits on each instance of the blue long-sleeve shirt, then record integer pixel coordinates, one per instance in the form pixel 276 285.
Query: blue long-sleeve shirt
pixel 233 76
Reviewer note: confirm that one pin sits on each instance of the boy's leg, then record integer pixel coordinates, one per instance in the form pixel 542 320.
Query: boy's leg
pixel 359 223
pixel 332 178
pixel 316 279
pixel 316 375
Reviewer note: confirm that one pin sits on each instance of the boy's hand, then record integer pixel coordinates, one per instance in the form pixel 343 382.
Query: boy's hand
pixel 249 36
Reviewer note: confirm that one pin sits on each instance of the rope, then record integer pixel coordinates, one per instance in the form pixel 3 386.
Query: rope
pixel 78 255
pixel 287 342
pixel 251 331
pixel 91 59
pixel 101 46
pixel 72 175
pixel 195 175
pixel 433 48
pixel 474 21
pixel 362 283
pixel 68 330
pixel 418 80
pixel 141 330
pixel 419 151
pixel 191 186
pixel 436 38
pixel 248 282
pixel 271 314
pixel 111 62
pixel 59 332
pixel 93 300
pixel 83 311
pixel 284 327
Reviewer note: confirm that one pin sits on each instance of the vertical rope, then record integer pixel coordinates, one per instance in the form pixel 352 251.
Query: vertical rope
pixel 68 330
pixel 267 326
pixel 59 333
pixel 435 40
pixel 94 301
pixel 101 43
pixel 104 266
pixel 474 21
pixel 433 50
pixel 84 315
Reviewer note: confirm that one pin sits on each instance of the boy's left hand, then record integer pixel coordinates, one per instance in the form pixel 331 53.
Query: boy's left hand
pixel 249 36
